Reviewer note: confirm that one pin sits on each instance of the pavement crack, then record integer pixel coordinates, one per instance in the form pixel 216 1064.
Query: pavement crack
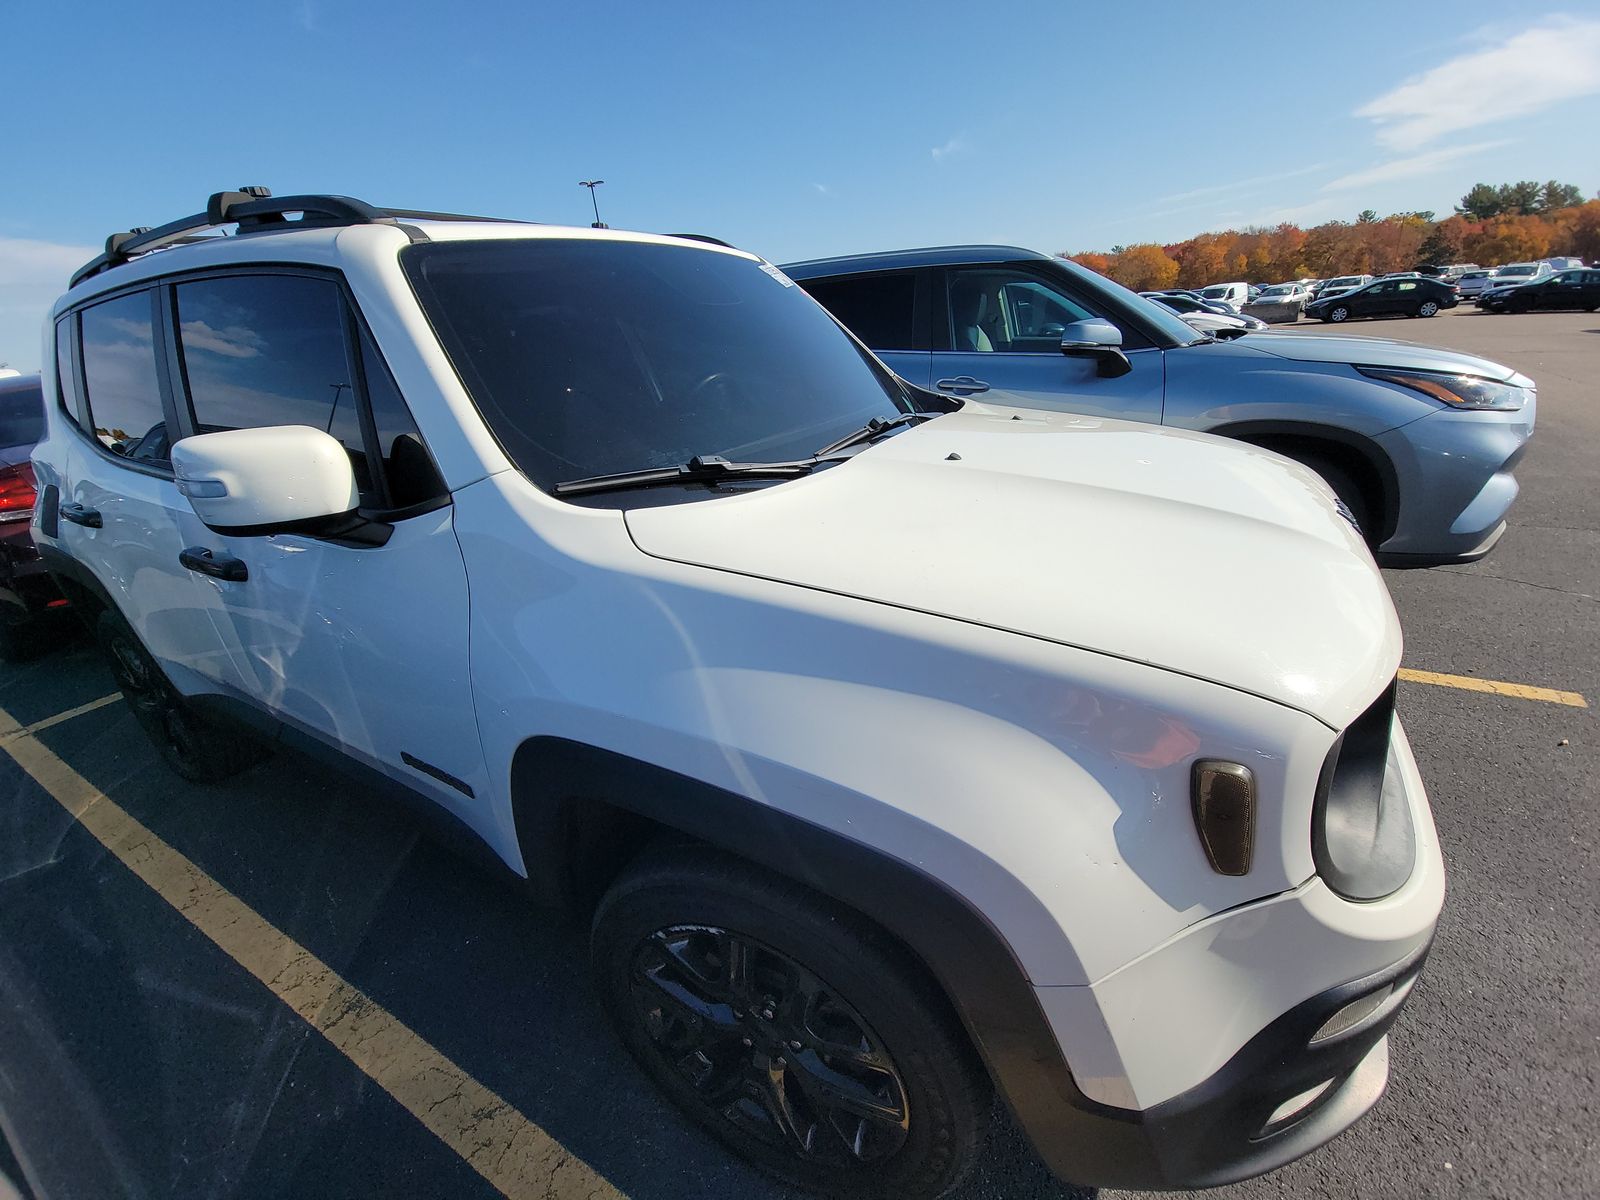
pixel 1543 587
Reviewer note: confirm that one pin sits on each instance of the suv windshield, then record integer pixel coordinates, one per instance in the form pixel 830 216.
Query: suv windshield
pixel 589 357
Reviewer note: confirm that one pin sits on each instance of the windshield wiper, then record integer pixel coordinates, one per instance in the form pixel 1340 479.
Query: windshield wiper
pixel 874 427
pixel 702 468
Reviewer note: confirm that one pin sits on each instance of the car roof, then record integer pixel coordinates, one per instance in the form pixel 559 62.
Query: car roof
pixel 267 227
pixel 927 256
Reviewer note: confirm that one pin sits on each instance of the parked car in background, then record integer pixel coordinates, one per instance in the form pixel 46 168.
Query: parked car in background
pixel 1187 302
pixel 31 606
pixel 1218 316
pixel 1215 324
pixel 879 763
pixel 1564 264
pixel 1419 443
pixel 1520 272
pixel 1282 302
pixel 1564 289
pixel 1340 283
pixel 1236 294
pixel 1397 296
pixel 1475 281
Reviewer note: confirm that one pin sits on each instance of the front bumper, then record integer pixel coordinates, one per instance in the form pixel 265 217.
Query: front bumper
pixel 1200 1063
pixel 1457 483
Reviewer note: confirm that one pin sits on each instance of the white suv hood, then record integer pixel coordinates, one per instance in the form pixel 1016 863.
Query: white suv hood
pixel 1176 549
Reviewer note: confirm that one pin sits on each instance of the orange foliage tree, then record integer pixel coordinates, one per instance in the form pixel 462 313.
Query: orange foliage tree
pixel 1365 247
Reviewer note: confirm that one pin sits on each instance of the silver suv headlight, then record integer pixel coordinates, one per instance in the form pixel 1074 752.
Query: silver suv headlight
pixel 1458 391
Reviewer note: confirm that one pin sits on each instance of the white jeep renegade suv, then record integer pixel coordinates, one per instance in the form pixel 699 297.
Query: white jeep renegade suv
pixel 904 749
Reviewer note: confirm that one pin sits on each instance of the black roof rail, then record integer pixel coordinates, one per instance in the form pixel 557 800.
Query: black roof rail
pixel 704 237
pixel 253 209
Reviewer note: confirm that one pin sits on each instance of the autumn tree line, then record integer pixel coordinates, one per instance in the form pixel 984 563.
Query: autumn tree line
pixel 1492 225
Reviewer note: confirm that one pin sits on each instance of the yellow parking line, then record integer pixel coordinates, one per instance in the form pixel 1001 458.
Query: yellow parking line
pixel 510 1152
pixel 1469 683
pixel 10 728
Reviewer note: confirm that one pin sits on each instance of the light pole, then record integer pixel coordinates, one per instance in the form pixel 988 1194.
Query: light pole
pixel 591 184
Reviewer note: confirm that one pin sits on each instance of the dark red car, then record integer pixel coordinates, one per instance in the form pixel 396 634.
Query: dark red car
pixel 29 599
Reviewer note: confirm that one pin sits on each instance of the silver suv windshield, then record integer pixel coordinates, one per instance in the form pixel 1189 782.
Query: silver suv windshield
pixel 589 357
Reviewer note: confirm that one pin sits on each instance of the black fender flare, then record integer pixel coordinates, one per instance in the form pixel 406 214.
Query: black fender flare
pixel 553 779
pixel 1362 447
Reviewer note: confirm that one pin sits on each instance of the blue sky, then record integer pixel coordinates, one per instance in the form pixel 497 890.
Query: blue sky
pixel 794 130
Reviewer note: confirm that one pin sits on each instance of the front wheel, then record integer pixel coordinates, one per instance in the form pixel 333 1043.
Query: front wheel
pixel 1428 308
pixel 1349 492
pixel 1338 313
pixel 193 747
pixel 791 1030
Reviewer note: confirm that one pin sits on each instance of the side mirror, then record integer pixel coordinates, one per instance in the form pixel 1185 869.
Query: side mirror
pixel 1099 340
pixel 258 481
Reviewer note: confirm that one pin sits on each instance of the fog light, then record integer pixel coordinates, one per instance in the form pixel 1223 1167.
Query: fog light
pixel 1297 1104
pixel 1224 797
pixel 1352 1014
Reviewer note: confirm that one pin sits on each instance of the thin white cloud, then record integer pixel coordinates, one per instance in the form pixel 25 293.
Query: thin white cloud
pixel 235 341
pixel 956 145
pixel 823 189
pixel 1522 74
pixel 24 261
pixel 306 13
pixel 1430 163
pixel 1237 185
pixel 32 275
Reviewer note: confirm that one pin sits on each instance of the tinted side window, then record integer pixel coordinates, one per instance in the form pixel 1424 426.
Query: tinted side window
pixel 878 309
pixel 119 370
pixel 66 387
pixel 409 469
pixel 263 350
pixel 1007 311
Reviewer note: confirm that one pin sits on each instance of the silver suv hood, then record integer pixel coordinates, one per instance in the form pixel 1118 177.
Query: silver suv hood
pixel 1179 550
pixel 1375 352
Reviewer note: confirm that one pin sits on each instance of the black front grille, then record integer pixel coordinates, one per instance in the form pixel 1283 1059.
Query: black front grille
pixel 1362 837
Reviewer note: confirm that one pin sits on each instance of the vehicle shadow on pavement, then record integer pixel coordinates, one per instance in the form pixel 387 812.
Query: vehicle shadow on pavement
pixel 181 1048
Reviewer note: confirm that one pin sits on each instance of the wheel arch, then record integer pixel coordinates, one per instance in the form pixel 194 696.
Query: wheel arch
pixel 582 813
pixel 1366 462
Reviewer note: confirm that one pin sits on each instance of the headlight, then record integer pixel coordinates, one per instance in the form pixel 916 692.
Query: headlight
pixel 1458 391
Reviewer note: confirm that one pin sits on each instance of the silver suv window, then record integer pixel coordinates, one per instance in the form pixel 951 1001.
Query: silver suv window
pixel 120 376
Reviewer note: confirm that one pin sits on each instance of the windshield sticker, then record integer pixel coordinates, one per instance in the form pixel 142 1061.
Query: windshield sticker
pixel 777 274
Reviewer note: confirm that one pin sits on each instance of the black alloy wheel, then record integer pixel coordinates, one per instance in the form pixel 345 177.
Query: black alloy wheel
pixel 790 1028
pixel 191 746
pixel 768 1045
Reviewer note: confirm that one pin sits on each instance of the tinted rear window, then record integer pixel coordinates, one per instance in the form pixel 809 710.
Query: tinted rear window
pixel 878 309
pixel 21 416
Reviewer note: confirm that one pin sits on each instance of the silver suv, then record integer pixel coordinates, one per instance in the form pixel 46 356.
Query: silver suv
pixel 1419 443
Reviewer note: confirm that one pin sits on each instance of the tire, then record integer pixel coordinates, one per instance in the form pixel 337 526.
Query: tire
pixel 1428 308
pixel 198 750
pixel 827 1013
pixel 19 641
pixel 1348 490
pixel 1337 314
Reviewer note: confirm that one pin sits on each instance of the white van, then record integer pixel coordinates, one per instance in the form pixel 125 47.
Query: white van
pixel 1236 294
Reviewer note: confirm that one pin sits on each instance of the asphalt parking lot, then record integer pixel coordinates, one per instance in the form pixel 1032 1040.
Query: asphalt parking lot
pixel 282 988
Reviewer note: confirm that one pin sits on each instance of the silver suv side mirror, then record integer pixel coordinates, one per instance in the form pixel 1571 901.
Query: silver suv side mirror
pixel 1099 340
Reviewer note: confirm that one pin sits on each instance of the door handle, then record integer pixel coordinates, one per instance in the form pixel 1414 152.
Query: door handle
pixel 962 385
pixel 218 566
pixel 79 515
